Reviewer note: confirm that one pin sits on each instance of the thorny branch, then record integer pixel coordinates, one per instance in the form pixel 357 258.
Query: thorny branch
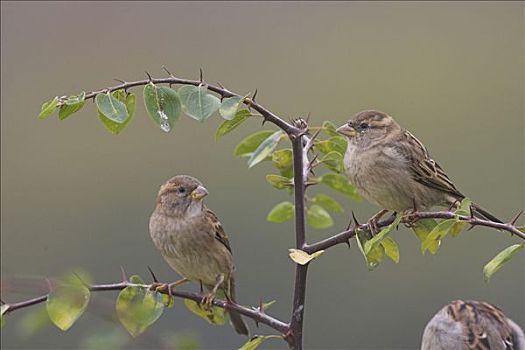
pixel 302 143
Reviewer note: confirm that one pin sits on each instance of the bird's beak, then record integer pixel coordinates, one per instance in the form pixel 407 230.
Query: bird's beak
pixel 346 130
pixel 199 193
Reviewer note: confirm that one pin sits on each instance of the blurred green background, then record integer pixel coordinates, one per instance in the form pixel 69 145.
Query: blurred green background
pixel 74 195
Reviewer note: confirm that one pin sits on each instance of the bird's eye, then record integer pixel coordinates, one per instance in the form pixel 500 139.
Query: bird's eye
pixel 181 190
pixel 363 126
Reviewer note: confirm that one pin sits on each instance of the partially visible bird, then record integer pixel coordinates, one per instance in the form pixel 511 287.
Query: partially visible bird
pixel 191 239
pixel 472 325
pixel 393 170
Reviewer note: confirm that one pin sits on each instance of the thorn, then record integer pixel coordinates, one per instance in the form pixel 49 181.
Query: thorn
pixel 123 274
pixel 355 220
pixel 471 209
pixel 315 135
pixel 513 221
pixel 471 227
pixel 308 117
pixel 167 71
pixel 202 289
pixel 119 80
pixel 2 302
pixel 200 75
pixel 254 95
pixel 453 205
pixel 149 76
pixel 348 243
pixel 220 85
pixel 153 275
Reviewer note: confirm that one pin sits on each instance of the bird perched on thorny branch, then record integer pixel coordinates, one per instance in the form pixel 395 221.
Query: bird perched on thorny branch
pixel 472 325
pixel 392 169
pixel 192 241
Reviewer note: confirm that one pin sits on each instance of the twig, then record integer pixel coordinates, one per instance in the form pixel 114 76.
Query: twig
pixel 344 236
pixel 252 313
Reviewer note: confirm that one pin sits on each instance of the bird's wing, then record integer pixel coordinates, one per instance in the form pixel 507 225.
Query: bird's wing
pixel 218 230
pixel 481 321
pixel 425 169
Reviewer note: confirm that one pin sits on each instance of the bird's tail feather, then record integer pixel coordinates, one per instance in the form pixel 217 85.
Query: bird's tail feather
pixel 485 214
pixel 235 318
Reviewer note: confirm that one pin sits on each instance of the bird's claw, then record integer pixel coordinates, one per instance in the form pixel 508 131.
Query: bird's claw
pixel 207 300
pixel 372 226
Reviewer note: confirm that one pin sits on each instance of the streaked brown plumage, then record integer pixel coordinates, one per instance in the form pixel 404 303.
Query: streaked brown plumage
pixel 192 240
pixel 392 169
pixel 472 325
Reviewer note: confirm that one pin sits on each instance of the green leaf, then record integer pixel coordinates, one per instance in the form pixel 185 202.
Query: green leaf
pixel 136 279
pixel 375 256
pixel 48 108
pixel 333 144
pixel 229 125
pixel 250 143
pixel 329 128
pixel 333 161
pixel 391 249
pixel 457 228
pixel 3 310
pixel 433 240
pixel 378 238
pixel 281 212
pixel 265 149
pixel 138 308
pixel 341 184
pixel 301 257
pixel 130 101
pixel 111 108
pixel 327 202
pixel 266 306
pixel 257 340
pixel 71 105
pixel 163 105
pixel 422 229
pixel 214 315
pixel 197 103
pixel 464 207
pixel 279 182
pixel 499 260
pixel 66 303
pixel 282 159
pixel 318 217
pixel 230 106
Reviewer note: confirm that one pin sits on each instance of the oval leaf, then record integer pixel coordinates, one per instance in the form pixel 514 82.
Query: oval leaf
pixel 333 144
pixel 48 108
pixel 375 256
pixel 341 184
pixel 111 108
pixel 265 149
pixel 129 100
pixel 250 143
pixel 281 212
pixel 71 105
pixel 229 125
pixel 214 315
pixel 301 257
pixel 499 260
pixel 163 105
pixel 327 202
pixel 333 161
pixel 330 129
pixel 197 103
pixel 433 240
pixel 230 106
pixel 279 182
pixel 391 249
pixel 138 308
pixel 318 217
pixel 378 238
pixel 66 303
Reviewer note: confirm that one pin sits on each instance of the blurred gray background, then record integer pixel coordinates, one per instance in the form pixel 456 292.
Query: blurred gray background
pixel 75 196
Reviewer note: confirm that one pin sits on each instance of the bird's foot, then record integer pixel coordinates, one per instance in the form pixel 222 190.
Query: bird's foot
pixel 167 288
pixel 373 222
pixel 207 300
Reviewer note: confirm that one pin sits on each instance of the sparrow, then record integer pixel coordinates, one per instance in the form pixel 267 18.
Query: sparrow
pixel 472 325
pixel 392 169
pixel 191 239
